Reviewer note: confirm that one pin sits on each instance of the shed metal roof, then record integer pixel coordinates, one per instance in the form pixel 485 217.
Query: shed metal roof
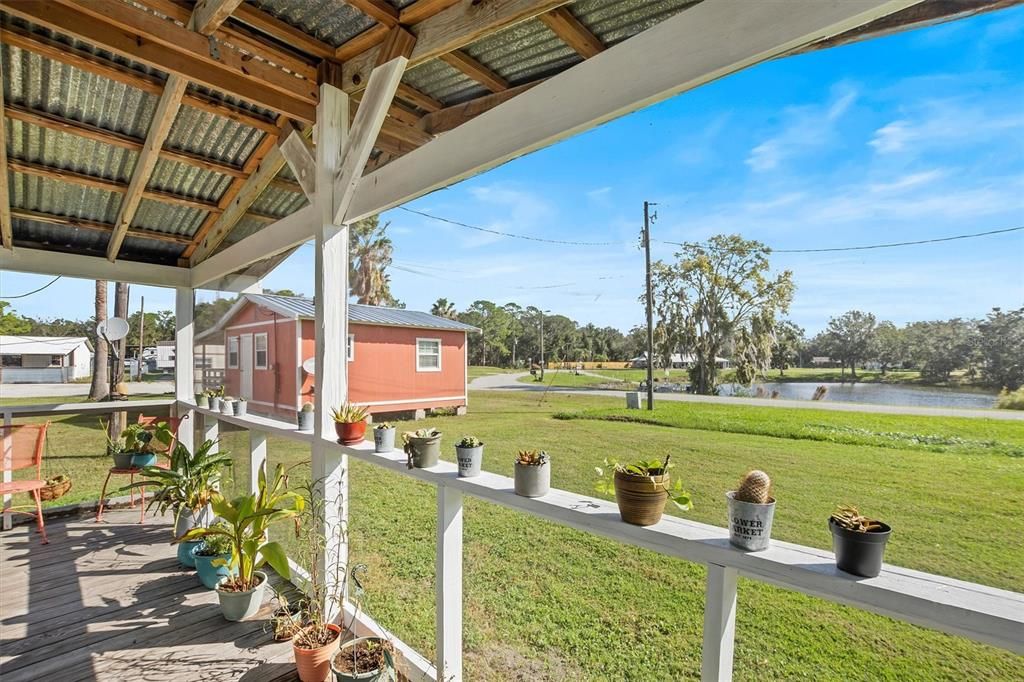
pixel 41 345
pixel 301 307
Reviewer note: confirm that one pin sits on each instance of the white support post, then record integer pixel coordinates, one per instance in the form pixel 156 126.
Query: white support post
pixel 719 624
pixel 8 455
pixel 211 430
pixel 257 458
pixel 330 469
pixel 449 584
pixel 184 364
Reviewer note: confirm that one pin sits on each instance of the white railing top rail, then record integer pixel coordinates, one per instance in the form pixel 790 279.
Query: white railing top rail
pixel 84 408
pixel 982 613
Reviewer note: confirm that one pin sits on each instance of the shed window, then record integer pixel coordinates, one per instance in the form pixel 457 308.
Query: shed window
pixel 428 355
pixel 260 341
pixel 350 351
pixel 56 361
pixel 10 360
pixel 232 352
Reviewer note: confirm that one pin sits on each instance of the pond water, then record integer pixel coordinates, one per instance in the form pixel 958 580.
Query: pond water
pixel 876 394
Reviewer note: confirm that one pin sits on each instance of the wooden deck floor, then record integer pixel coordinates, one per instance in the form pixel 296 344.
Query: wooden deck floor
pixel 110 602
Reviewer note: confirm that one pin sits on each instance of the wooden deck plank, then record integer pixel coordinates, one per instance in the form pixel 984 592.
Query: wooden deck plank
pixel 102 602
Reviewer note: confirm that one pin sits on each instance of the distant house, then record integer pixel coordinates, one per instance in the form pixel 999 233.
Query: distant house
pixel 399 360
pixel 679 361
pixel 44 359
pixel 164 361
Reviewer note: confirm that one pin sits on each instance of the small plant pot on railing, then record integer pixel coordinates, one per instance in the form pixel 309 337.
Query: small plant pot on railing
pixel 314 665
pixel 750 524
pixel 304 417
pixel 350 433
pixel 365 659
pixel 469 460
pixel 241 407
pixel 203 401
pixel 858 542
pixel 210 575
pixel 532 473
pixel 239 605
pixel 641 499
pixel 383 438
pixel 215 403
pixel 423 448
pixel 227 407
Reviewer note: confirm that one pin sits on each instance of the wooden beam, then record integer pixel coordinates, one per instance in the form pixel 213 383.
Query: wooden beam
pixel 398 43
pixel 379 10
pixel 450 29
pixel 566 26
pixel 298 153
pixel 283 31
pixel 369 38
pixel 461 61
pixel 160 127
pixel 147 38
pixel 49 262
pixel 6 228
pixel 452 117
pixel 208 15
pixel 417 98
pixel 422 9
pixel 265 162
pixel 86 61
pixel 380 91
pixel 681 53
pixel 96 226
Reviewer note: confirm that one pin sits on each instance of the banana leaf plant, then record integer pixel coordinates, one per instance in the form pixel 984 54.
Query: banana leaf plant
pixel 189 482
pixel 245 522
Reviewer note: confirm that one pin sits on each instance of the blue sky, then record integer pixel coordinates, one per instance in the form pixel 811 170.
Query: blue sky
pixel 912 136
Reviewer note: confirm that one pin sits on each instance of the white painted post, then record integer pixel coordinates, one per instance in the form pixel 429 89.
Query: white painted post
pixel 330 469
pixel 211 430
pixel 448 567
pixel 184 365
pixel 719 624
pixel 257 458
pixel 8 455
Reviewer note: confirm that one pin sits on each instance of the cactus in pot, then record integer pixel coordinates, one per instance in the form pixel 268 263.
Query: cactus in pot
pixel 751 511
pixel 532 473
pixel 383 437
pixel 304 417
pixel 469 453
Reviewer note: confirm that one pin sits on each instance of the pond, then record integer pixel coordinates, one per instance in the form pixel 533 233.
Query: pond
pixel 877 394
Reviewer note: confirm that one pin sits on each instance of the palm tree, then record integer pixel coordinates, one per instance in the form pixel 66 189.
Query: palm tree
pixel 371 251
pixel 443 308
pixel 100 388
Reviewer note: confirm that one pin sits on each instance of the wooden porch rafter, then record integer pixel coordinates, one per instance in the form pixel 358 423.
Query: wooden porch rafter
pixel 6 227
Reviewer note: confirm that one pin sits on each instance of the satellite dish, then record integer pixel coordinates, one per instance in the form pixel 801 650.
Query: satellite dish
pixel 309 365
pixel 113 328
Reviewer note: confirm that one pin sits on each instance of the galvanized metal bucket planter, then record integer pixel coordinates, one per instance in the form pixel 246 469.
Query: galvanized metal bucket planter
pixel 215 403
pixel 750 524
pixel 384 439
pixel 304 420
pixel 469 460
pixel 532 480
pixel 241 407
pixel 227 407
pixel 641 499
pixel 424 452
pixel 241 605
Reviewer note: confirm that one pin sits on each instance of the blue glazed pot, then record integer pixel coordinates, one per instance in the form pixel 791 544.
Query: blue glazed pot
pixel 209 574
pixel 185 550
pixel 144 460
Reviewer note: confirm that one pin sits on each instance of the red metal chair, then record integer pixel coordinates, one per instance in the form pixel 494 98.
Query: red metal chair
pixel 174 423
pixel 21 447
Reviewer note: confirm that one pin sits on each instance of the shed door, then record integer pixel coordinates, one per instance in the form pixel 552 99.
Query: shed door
pixel 245 360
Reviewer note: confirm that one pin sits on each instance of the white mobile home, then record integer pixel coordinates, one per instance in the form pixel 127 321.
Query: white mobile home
pixel 44 359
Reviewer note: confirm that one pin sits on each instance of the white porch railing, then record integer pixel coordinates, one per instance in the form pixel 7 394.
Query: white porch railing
pixel 978 612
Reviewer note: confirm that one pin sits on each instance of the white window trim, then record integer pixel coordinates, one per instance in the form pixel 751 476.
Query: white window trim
pixel 350 350
pixel 238 350
pixel 419 368
pixel 255 351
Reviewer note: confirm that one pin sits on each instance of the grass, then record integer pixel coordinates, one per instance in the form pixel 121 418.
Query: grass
pixel 476 371
pixel 547 602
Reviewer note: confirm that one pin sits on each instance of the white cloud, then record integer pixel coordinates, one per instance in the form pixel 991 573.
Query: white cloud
pixel 949 124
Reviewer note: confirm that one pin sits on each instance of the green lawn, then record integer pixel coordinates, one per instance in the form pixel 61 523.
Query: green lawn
pixel 564 378
pixel 476 371
pixel 547 602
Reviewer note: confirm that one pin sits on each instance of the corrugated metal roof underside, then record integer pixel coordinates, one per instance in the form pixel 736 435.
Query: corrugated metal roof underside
pixel 331 21
pixel 33 234
pixel 614 20
pixel 444 83
pixel 298 306
pixel 523 53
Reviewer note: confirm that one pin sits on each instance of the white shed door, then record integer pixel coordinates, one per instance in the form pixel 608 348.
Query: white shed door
pixel 245 360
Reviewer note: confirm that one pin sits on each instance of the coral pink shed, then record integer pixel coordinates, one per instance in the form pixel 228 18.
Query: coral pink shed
pixel 399 359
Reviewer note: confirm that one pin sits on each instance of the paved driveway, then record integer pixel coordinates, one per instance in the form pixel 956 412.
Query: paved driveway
pixel 14 391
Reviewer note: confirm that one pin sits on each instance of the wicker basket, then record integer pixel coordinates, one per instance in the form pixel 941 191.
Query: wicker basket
pixel 55 488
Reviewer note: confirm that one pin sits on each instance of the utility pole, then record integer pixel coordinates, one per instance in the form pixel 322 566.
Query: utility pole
pixel 650 304
pixel 542 365
pixel 142 327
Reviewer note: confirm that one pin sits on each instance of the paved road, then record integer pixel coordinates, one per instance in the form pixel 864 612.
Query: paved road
pixel 510 382
pixel 11 391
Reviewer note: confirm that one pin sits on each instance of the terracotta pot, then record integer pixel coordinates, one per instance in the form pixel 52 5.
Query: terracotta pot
pixel 350 433
pixel 641 499
pixel 314 665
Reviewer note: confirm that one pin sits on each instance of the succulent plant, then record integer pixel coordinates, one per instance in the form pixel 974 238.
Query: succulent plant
pixel 850 518
pixel 383 426
pixel 532 458
pixel 307 407
pixel 348 413
pixel 755 488
pixel 469 442
pixel 420 433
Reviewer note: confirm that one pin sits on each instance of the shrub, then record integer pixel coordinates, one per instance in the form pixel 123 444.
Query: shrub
pixel 1011 400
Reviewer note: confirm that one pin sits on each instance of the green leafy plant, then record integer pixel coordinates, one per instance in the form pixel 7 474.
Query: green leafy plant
pixel 850 518
pixel 246 519
pixel 534 458
pixel 644 469
pixel 1011 400
pixel 469 442
pixel 215 545
pixel 138 438
pixel 348 414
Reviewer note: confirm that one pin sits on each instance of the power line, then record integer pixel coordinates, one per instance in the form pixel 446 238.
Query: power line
pixel 509 234
pixel 35 291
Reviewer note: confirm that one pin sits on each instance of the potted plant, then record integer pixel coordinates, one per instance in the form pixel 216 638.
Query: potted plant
pixel 858 541
pixel 532 473
pixel 423 447
pixel 349 423
pixel 246 519
pixel 215 397
pixel 383 437
pixel 751 510
pixel 227 405
pixel 187 486
pixel 284 622
pixel 203 400
pixel 469 454
pixel 213 549
pixel 304 417
pixel 364 659
pixel 241 407
pixel 137 445
pixel 641 489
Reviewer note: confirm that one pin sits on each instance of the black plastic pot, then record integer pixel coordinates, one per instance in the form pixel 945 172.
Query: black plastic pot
pixel 859 553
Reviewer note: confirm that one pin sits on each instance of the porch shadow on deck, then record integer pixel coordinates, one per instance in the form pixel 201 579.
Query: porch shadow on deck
pixel 110 602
